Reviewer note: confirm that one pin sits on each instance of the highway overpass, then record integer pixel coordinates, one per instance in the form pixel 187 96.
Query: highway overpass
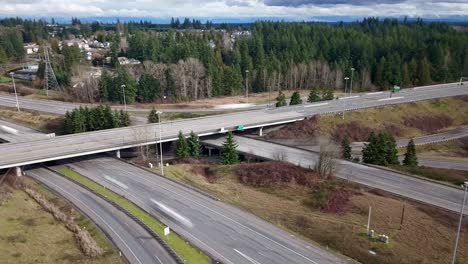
pixel 20 154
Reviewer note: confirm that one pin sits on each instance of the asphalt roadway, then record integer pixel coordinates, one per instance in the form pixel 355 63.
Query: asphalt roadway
pixel 414 188
pixel 227 233
pixel 14 133
pixel 60 107
pixel 457 133
pixel 135 243
pixel 101 141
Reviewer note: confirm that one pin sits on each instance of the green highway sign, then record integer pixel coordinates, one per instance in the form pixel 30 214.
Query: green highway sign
pixel 240 127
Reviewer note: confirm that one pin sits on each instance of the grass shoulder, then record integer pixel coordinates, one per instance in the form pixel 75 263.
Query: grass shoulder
pixel 32 235
pixel 187 252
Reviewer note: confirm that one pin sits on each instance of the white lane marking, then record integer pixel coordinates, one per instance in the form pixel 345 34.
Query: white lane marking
pixel 173 213
pixel 222 215
pixel 374 93
pixel 91 210
pixel 116 182
pixel 349 97
pixel 314 105
pixel 158 259
pixel 247 257
pixel 391 98
pixel 135 199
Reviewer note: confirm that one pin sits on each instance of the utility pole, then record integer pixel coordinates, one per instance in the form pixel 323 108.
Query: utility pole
pixel 402 215
pixel 160 142
pixel 454 256
pixel 14 88
pixel 368 219
pixel 123 92
pixel 344 101
pixel 351 88
pixel 247 85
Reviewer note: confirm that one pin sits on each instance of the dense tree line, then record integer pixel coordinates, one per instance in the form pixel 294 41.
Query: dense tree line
pixel 86 119
pixel 31 30
pixel 280 55
pixel 113 87
pixel 11 45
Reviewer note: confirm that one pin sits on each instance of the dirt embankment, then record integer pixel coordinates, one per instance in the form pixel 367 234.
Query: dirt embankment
pixel 306 128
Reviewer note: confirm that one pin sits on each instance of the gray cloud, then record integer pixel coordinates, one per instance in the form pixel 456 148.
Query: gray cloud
pixel 288 9
pixel 299 3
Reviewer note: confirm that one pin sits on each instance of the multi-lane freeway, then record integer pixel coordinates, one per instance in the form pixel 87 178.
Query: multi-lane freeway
pixel 135 243
pixel 102 141
pixel 417 189
pixel 227 233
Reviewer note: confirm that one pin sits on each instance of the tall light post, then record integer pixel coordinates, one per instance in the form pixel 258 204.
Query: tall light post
pixel 465 187
pixel 123 92
pixel 160 142
pixel 344 101
pixel 351 88
pixel 247 85
pixel 14 88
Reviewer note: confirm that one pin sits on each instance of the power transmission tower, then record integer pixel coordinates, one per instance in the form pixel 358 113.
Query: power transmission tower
pixel 50 81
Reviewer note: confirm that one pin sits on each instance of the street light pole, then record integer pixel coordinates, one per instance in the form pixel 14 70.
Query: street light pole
pixel 465 187
pixel 351 88
pixel 160 142
pixel 247 85
pixel 123 92
pixel 344 101
pixel 14 88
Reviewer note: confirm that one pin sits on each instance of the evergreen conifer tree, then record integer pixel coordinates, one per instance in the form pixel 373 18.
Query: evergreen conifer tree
pixel 328 94
pixel 124 118
pixel 410 156
pixel 313 96
pixel 295 99
pixel 153 116
pixel 281 99
pixel 194 145
pixel 182 149
pixel 370 153
pixel 346 148
pixel 230 154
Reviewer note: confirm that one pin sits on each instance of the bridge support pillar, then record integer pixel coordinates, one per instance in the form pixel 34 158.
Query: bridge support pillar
pixel 19 172
pixel 209 151
pixel 117 153
pixel 260 132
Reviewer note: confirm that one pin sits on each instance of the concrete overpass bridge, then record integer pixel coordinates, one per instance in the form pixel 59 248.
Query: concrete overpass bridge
pixel 62 147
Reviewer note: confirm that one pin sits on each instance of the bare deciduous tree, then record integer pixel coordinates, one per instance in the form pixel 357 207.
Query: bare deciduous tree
pixel 326 163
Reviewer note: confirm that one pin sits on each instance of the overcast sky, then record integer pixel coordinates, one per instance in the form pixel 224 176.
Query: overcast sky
pixel 287 9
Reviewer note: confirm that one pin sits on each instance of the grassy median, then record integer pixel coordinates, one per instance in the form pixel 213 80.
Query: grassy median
pixel 187 252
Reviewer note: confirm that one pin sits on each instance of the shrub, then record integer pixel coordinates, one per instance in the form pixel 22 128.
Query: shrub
pixel 428 123
pixel 301 129
pixel 275 172
pixel 356 131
